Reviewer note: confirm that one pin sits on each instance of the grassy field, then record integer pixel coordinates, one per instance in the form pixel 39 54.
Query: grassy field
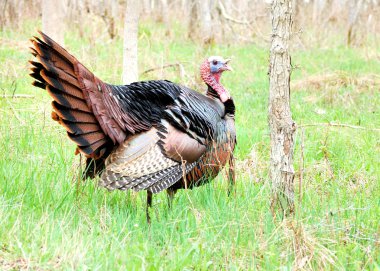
pixel 51 221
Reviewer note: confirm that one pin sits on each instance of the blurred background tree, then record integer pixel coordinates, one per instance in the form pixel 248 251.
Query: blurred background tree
pixel 53 19
pixel 130 67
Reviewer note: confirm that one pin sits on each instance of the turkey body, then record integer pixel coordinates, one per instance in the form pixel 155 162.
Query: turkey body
pixel 180 135
pixel 148 135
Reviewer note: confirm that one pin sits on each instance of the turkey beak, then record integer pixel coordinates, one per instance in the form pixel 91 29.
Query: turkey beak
pixel 226 67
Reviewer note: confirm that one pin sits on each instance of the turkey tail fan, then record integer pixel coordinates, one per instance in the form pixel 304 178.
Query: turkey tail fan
pixel 55 70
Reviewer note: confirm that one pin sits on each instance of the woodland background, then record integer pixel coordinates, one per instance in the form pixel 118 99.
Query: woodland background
pixel 49 219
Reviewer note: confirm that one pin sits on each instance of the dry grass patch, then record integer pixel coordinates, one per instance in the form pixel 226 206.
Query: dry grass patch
pixel 27 264
pixel 252 167
pixel 17 264
pixel 337 80
pixel 338 88
pixel 308 250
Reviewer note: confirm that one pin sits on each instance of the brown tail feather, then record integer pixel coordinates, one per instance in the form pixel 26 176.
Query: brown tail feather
pixel 86 139
pixel 67 88
pixel 52 44
pixel 47 56
pixel 55 70
pixel 68 100
pixel 96 148
pixel 72 114
pixel 56 80
pixel 79 127
pixel 63 74
pixel 38 84
pixel 33 51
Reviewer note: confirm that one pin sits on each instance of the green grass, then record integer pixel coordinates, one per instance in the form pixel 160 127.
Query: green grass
pixel 49 220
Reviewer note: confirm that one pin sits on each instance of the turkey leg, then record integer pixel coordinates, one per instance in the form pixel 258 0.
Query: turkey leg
pixel 170 196
pixel 231 174
pixel 149 197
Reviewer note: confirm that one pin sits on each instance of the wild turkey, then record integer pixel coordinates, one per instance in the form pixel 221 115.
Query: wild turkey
pixel 148 135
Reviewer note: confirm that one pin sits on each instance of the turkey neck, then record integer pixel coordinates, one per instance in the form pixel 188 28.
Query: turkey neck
pixel 229 105
pixel 213 81
pixel 211 92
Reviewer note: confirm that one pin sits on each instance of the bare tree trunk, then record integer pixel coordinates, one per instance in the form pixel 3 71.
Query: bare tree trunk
pixel 193 19
pixel 354 10
pixel 147 6
pixel 53 19
pixel 282 126
pixel 206 21
pixel 318 7
pixel 12 13
pixel 163 11
pixel 109 15
pixel 130 68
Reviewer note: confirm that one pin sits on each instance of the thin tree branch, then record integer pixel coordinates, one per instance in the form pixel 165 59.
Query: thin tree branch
pixel 302 166
pixel 26 96
pixel 228 17
pixel 15 113
pixel 332 124
pixel 179 65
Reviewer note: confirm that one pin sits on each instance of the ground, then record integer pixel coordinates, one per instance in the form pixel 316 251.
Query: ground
pixel 49 219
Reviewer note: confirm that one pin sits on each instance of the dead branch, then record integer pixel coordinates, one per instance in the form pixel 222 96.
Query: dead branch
pixel 228 17
pixel 181 69
pixel 15 113
pixel 302 166
pixel 332 124
pixel 26 96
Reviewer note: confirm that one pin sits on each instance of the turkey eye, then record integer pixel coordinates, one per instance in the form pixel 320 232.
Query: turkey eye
pixel 215 62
